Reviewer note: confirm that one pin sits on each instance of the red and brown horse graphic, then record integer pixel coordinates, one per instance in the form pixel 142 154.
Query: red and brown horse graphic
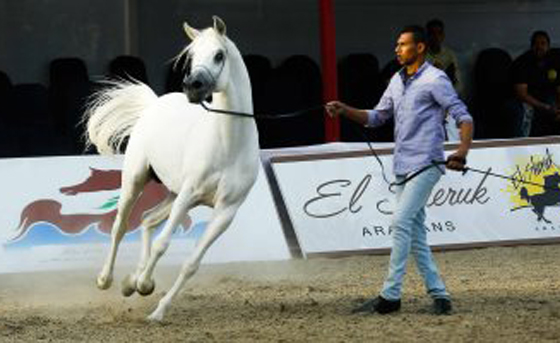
pixel 48 210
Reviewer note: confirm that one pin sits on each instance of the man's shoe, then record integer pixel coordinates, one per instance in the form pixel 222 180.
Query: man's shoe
pixel 442 306
pixel 379 305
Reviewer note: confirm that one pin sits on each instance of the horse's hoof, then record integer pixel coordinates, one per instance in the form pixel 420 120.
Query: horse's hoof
pixel 146 288
pixel 128 286
pixel 155 317
pixel 104 282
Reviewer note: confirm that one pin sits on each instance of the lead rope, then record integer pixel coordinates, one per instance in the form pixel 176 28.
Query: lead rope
pixel 434 164
pixel 260 115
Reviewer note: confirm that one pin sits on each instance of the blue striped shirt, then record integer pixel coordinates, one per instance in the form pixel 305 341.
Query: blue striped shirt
pixel 418 105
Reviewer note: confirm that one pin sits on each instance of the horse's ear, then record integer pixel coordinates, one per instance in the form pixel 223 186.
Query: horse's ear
pixel 192 33
pixel 219 25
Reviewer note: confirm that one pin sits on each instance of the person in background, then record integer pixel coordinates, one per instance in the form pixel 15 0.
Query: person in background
pixel 442 57
pixel 537 86
pixel 418 96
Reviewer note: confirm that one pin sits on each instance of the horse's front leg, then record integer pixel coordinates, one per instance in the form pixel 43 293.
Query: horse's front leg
pixel 184 201
pixel 131 191
pixel 150 222
pixel 221 219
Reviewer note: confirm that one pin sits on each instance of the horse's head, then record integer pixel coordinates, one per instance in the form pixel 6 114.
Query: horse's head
pixel 206 61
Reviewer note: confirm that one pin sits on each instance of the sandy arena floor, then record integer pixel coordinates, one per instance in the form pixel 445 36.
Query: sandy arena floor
pixel 500 295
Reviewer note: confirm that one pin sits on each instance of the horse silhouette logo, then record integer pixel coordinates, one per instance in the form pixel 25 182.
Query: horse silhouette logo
pixel 549 197
pixel 50 210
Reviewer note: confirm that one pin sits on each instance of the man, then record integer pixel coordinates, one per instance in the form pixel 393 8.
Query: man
pixel 442 57
pixel 537 86
pixel 418 96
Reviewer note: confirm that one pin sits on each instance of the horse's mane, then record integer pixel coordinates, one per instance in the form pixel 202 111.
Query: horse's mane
pixel 182 55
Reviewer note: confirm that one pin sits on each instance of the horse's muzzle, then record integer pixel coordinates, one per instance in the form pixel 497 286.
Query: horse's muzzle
pixel 198 86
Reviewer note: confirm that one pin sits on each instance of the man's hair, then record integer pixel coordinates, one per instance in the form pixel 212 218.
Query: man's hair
pixel 435 23
pixel 418 33
pixel 541 34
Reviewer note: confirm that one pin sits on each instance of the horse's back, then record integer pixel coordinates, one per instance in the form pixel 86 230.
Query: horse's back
pixel 180 140
pixel 172 117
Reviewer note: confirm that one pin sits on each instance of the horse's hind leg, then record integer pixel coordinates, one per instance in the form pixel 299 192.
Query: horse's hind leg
pixel 131 188
pixel 220 221
pixel 150 222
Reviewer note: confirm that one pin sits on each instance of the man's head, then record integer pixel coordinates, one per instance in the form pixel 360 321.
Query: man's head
pixel 435 31
pixel 540 43
pixel 411 45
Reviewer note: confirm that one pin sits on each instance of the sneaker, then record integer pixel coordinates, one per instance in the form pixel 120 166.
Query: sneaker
pixel 379 305
pixel 442 306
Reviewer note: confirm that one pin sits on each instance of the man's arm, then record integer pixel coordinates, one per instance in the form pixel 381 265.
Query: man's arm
pixel 372 118
pixel 457 160
pixel 522 93
pixel 446 96
pixel 337 108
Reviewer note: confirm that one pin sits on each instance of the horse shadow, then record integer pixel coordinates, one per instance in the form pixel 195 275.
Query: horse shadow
pixel 549 197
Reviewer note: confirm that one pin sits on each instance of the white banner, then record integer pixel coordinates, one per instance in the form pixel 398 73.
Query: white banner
pixel 57 214
pixel 343 204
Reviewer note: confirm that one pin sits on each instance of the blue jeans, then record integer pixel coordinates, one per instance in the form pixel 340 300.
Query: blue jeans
pixel 409 235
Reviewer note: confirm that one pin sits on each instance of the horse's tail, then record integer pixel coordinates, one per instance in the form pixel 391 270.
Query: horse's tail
pixel 112 113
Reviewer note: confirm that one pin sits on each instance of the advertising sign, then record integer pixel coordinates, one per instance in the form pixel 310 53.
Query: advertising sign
pixel 57 213
pixel 344 204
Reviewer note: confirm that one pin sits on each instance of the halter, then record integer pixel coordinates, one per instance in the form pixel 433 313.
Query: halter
pixel 245 114
pixel 205 68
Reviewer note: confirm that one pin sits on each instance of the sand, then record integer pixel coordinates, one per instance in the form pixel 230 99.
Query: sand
pixel 507 294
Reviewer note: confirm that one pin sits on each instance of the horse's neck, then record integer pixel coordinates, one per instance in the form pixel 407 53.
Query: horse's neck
pixel 237 97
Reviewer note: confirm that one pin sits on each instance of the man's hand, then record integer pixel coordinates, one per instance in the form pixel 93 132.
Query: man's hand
pixel 335 108
pixel 456 161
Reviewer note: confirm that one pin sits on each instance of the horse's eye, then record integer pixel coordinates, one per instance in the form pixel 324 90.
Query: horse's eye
pixel 219 57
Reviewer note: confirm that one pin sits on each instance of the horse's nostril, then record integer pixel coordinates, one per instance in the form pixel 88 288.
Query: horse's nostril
pixel 196 84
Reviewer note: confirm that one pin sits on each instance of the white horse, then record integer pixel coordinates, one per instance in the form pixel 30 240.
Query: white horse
pixel 203 158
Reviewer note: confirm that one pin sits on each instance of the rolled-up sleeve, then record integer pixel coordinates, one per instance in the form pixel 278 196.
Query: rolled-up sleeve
pixel 444 93
pixel 381 112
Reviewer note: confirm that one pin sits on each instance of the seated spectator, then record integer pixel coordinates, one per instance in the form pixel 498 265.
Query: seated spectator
pixel 440 55
pixel 444 58
pixel 536 85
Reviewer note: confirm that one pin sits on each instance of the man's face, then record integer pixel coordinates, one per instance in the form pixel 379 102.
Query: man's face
pixel 407 49
pixel 540 46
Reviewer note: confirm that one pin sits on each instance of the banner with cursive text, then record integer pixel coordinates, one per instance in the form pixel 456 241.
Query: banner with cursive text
pixel 341 203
